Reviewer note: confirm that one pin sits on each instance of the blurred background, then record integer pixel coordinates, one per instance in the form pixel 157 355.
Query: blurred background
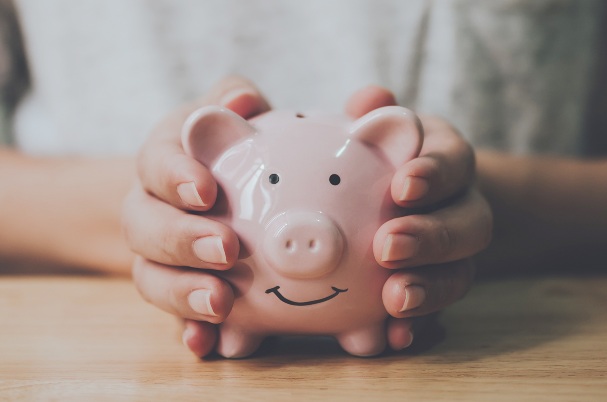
pixel 93 77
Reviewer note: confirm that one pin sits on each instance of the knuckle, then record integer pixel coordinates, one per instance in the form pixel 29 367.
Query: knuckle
pixel 441 297
pixel 139 273
pixel 128 221
pixel 451 284
pixel 214 284
pixel 465 160
pixel 137 270
pixel 434 166
pixel 230 80
pixel 167 171
pixel 175 294
pixel 141 159
pixel 445 240
pixel 180 288
pixel 469 157
pixel 227 84
pixel 127 229
pixel 147 163
pixel 179 163
pixel 127 232
pixel 173 238
pixel 433 122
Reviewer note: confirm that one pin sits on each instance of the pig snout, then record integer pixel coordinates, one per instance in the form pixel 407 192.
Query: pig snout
pixel 303 245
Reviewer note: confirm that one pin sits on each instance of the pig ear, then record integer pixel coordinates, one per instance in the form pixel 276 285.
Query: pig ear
pixel 394 130
pixel 211 130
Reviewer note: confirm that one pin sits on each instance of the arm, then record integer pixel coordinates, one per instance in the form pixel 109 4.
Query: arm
pixel 63 212
pixel 549 212
pixel 54 212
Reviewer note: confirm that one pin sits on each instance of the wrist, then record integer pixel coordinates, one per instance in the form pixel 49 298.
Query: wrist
pixel 64 211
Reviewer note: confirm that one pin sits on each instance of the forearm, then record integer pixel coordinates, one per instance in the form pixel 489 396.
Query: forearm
pixel 546 210
pixel 64 211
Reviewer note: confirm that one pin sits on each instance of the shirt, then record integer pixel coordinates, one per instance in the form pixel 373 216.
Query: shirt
pixel 510 74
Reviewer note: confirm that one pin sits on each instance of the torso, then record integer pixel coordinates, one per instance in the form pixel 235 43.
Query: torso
pixel 509 74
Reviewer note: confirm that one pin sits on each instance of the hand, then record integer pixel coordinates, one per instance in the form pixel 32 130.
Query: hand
pixel 167 238
pixel 428 251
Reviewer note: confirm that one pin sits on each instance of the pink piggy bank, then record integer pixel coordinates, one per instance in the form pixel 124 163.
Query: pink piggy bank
pixel 305 194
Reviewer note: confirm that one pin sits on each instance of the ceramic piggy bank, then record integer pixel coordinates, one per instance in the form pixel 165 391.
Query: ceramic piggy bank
pixel 305 193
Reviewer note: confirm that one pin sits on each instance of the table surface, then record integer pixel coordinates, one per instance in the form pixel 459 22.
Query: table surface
pixel 92 338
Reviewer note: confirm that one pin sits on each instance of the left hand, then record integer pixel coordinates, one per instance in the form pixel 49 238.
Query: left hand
pixel 430 252
pixel 178 252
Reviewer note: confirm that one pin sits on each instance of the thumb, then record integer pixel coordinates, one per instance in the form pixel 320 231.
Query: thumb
pixel 368 99
pixel 239 95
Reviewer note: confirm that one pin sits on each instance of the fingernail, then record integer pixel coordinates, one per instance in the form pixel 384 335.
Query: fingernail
pixel 410 340
pixel 233 94
pixel 210 249
pixel 414 297
pixel 187 334
pixel 405 344
pixel 189 194
pixel 399 247
pixel 414 188
pixel 200 301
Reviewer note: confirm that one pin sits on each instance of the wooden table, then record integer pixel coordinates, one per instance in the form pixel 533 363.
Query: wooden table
pixel 88 338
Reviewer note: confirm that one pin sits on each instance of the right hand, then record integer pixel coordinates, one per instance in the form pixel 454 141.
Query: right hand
pixel 432 268
pixel 173 245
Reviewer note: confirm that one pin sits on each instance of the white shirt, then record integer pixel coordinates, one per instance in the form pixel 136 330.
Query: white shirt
pixel 510 74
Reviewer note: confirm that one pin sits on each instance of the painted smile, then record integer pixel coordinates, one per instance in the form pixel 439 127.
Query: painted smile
pixel 306 303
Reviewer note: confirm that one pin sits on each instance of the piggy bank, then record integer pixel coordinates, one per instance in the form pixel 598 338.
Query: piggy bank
pixel 305 193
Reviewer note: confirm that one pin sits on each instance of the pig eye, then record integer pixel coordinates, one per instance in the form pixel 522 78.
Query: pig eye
pixel 334 179
pixel 274 178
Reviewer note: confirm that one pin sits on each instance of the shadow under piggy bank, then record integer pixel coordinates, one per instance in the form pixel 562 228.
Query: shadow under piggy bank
pixel 500 317
pixel 495 318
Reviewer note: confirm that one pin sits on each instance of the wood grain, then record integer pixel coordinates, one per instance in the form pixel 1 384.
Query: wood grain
pixel 71 338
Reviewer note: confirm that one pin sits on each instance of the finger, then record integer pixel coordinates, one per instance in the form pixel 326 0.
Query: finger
pixel 401 332
pixel 368 99
pixel 200 337
pixel 161 233
pixel 444 168
pixel 237 94
pixel 412 293
pixel 457 231
pixel 172 176
pixel 190 294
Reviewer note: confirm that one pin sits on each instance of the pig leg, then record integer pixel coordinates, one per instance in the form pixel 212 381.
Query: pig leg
pixel 367 341
pixel 236 342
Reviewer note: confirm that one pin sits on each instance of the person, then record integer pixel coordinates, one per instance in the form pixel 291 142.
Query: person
pixel 94 95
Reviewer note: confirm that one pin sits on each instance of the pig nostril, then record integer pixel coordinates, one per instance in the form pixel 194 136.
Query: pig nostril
pixel 302 245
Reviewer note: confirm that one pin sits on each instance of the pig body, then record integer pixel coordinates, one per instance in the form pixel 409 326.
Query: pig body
pixel 305 194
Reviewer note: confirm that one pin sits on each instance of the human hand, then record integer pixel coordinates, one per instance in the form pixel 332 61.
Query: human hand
pixel 428 250
pixel 168 239
pixel 446 162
